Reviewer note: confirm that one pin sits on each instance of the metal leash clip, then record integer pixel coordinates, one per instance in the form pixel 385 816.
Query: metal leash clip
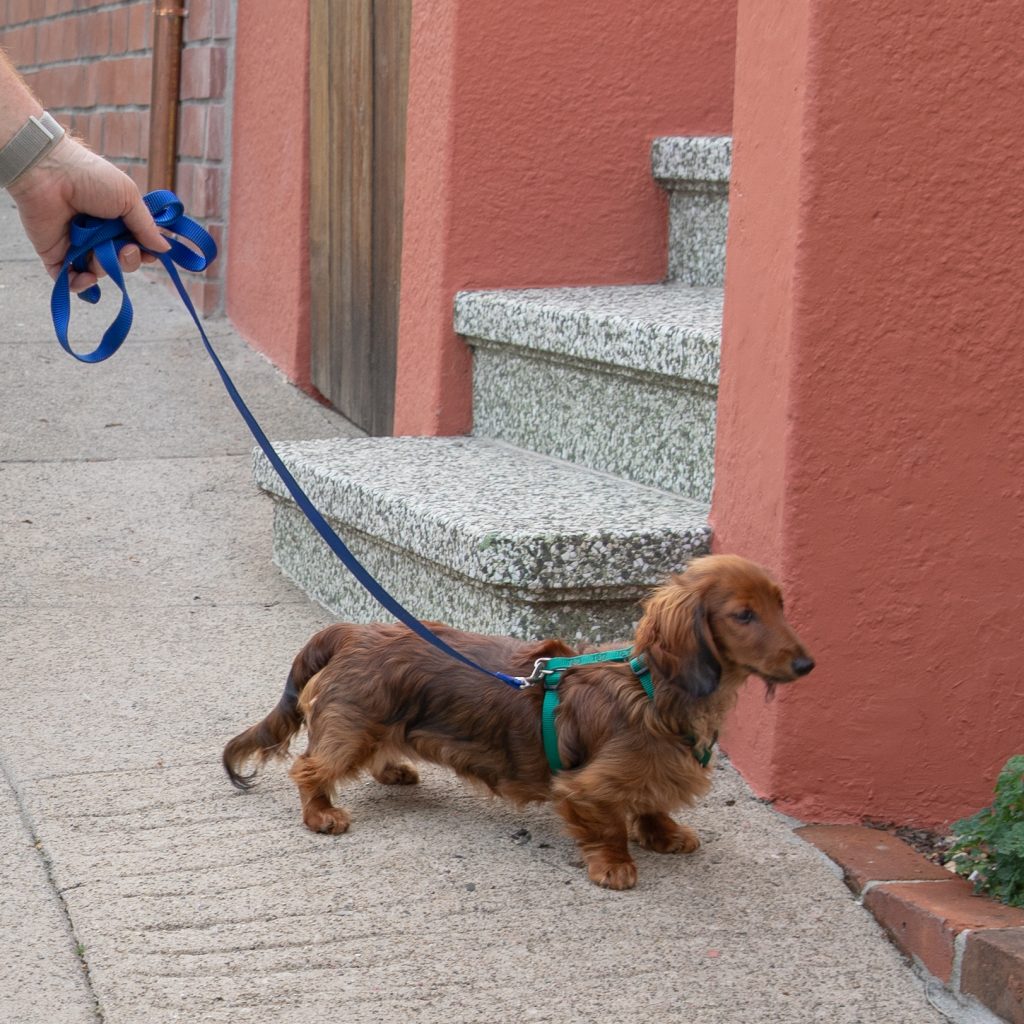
pixel 537 675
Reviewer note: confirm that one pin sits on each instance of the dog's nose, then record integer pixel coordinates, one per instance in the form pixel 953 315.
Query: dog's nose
pixel 802 665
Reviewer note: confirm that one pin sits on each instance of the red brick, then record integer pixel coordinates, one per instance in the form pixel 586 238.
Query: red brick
pixel 993 971
pixel 112 146
pixel 71 86
pixel 10 40
pixel 21 10
pixel 138 173
pixel 87 84
pixel 204 72
pixel 20 44
pixel 221 19
pixel 216 230
pixel 870 855
pixel 192 130
pixel 124 81
pixel 119 17
pixel 123 133
pixel 89 128
pixel 207 295
pixel 199 20
pixel 47 42
pixel 200 189
pixel 56 87
pixel 94 34
pixel 216 131
pixel 140 27
pixel 924 918
pixel 69 30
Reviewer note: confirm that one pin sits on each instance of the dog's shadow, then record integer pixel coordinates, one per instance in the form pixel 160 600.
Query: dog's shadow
pixel 463 823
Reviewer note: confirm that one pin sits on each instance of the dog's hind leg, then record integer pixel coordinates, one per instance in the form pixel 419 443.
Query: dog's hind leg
pixel 316 780
pixel 392 772
pixel 662 834
pixel 336 753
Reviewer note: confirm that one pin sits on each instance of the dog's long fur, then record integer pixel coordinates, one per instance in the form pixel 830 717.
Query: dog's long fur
pixel 372 696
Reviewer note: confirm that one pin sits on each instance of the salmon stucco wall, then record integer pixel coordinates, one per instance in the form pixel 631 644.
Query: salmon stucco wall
pixel 528 160
pixel 268 264
pixel 871 424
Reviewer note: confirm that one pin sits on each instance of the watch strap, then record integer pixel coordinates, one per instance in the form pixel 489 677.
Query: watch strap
pixel 29 145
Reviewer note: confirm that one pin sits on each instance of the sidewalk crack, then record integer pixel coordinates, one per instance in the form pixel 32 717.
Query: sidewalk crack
pixel 77 946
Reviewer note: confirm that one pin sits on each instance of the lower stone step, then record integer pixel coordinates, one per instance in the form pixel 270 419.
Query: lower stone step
pixel 479 534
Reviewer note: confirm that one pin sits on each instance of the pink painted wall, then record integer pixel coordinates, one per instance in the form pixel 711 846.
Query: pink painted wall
pixel 873 279
pixel 268 257
pixel 528 160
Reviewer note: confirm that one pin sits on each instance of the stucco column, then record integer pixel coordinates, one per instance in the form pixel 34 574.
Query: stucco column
pixel 871 413
pixel 268 266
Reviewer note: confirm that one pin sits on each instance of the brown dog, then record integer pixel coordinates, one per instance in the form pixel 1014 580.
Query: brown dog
pixel 374 695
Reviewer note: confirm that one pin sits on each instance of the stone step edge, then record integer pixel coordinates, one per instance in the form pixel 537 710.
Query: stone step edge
pixel 692 162
pixel 561 596
pixel 973 946
pixel 641 378
pixel 542 320
pixel 516 559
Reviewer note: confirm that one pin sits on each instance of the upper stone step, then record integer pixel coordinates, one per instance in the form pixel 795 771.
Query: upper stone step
pixel 479 534
pixel 619 379
pixel 695 170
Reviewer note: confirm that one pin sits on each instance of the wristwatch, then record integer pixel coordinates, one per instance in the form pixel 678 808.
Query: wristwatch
pixel 30 144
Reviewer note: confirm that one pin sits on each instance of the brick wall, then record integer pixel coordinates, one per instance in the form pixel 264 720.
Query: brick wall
pixel 89 62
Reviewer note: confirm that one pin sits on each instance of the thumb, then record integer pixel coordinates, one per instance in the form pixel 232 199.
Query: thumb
pixel 141 224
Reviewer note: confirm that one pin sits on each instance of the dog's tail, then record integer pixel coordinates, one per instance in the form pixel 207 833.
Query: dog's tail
pixel 272 736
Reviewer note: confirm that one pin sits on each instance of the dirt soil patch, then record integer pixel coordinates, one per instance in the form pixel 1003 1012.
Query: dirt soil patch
pixel 933 845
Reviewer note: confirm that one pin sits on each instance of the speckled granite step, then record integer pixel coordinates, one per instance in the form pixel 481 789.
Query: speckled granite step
pixel 695 171
pixel 618 379
pixel 479 534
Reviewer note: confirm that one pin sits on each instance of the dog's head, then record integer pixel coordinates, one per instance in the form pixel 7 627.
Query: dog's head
pixel 723 613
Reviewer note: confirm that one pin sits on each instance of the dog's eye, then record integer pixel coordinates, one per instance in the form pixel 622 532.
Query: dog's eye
pixel 745 616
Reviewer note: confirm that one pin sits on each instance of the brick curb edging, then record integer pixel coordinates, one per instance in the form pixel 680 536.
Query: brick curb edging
pixel 973 945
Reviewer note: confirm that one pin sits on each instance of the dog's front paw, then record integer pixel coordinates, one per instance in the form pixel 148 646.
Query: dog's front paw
pixel 612 874
pixel 330 821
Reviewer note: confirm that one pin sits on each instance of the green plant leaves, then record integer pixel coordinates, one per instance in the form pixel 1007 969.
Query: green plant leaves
pixel 989 846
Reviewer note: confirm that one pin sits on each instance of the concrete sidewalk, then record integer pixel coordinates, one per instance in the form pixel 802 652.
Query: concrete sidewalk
pixel 142 624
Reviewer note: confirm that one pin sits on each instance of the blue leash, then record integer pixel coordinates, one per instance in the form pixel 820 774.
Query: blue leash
pixel 106 238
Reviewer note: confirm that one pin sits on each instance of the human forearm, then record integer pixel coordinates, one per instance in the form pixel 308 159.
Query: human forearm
pixel 17 104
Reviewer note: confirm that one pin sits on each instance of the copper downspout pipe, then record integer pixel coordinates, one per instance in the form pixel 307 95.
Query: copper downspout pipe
pixel 168 18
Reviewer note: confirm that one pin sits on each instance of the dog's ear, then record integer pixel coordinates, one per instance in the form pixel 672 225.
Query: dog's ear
pixel 676 636
pixel 705 673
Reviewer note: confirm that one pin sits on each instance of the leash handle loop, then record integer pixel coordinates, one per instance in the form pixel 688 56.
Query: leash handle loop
pixel 106 238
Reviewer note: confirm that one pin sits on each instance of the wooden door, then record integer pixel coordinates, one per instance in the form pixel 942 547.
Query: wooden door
pixel 359 61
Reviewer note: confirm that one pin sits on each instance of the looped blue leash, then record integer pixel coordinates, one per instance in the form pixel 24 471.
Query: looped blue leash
pixel 106 238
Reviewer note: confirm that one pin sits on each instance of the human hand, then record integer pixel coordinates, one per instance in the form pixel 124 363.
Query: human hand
pixel 71 179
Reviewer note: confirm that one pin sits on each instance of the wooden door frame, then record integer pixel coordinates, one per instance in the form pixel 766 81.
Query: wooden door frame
pixel 358 93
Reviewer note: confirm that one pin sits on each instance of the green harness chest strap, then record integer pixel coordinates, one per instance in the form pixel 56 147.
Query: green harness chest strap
pixel 552 676
pixel 552 673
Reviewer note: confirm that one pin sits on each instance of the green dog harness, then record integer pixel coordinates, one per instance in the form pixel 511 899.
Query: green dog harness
pixel 550 672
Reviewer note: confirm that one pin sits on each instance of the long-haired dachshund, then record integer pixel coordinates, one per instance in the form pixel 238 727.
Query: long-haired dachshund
pixel 372 696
